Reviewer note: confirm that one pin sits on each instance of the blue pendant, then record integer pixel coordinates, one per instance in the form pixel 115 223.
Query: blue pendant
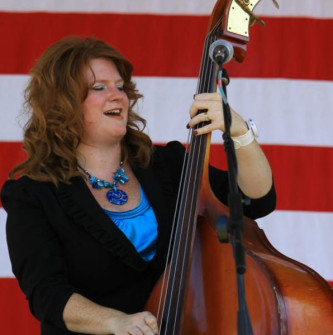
pixel 116 196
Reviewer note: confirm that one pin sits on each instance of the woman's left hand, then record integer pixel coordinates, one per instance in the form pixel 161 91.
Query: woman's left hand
pixel 254 172
pixel 212 103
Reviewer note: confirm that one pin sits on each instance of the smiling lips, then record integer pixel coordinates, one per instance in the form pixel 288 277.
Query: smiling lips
pixel 115 112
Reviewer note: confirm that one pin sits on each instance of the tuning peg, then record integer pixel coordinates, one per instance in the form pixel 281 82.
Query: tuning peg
pixel 253 18
pixel 276 4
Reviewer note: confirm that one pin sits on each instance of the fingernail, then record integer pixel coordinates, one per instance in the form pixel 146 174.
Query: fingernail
pixel 195 132
pixel 188 126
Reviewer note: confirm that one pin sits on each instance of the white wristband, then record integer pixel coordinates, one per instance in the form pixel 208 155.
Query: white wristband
pixel 248 137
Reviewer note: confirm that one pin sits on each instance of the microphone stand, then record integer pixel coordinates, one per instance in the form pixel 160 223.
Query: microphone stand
pixel 236 220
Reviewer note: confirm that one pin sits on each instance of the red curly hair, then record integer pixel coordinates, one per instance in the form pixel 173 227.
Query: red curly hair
pixel 53 99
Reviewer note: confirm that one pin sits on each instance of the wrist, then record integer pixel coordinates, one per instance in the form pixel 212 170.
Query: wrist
pixel 248 137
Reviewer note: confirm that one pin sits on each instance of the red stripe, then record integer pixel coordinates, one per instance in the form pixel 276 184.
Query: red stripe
pixel 15 315
pixel 303 176
pixel 165 45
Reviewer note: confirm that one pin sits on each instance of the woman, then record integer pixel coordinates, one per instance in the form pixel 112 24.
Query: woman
pixel 91 209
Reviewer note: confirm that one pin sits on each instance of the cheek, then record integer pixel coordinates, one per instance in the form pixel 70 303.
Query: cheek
pixel 90 111
pixel 88 117
pixel 88 114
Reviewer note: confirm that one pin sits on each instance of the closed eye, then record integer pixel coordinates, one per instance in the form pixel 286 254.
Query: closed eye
pixel 98 88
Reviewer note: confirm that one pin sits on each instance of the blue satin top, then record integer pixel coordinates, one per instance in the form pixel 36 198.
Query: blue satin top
pixel 139 225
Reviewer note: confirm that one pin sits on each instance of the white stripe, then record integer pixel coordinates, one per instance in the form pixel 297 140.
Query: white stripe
pixel 303 236
pixel 288 111
pixel 5 266
pixel 11 107
pixel 291 112
pixel 311 8
pixel 306 8
pixel 120 6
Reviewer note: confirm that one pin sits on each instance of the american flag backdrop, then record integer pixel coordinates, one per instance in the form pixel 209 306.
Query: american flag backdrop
pixel 285 84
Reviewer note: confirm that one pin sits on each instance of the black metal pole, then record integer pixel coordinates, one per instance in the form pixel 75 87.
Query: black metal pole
pixel 236 217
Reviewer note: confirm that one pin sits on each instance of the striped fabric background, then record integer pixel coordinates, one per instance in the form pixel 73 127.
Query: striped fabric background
pixel 285 84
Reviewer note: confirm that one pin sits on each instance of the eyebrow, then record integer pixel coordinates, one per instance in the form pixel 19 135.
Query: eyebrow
pixel 120 80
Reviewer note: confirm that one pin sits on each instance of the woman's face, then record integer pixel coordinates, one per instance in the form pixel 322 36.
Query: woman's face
pixel 105 109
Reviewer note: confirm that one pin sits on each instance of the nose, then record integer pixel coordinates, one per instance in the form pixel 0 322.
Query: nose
pixel 115 94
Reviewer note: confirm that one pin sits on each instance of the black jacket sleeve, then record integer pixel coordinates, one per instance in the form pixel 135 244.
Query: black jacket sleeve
pixel 35 253
pixel 253 208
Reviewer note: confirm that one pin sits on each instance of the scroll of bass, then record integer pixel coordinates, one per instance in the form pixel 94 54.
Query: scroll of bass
pixel 198 294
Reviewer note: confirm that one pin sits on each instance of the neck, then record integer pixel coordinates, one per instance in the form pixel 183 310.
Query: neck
pixel 102 161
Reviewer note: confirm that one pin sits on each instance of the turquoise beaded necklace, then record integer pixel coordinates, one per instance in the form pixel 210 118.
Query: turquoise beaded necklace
pixel 114 195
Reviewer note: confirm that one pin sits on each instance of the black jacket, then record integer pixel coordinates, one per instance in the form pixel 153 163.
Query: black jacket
pixel 60 240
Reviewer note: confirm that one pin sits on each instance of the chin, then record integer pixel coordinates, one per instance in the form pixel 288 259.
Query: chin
pixel 119 133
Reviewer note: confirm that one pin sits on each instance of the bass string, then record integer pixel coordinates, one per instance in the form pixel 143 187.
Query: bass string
pixel 165 279
pixel 190 170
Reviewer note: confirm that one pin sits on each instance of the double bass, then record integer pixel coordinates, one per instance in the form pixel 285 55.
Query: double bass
pixel 198 293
